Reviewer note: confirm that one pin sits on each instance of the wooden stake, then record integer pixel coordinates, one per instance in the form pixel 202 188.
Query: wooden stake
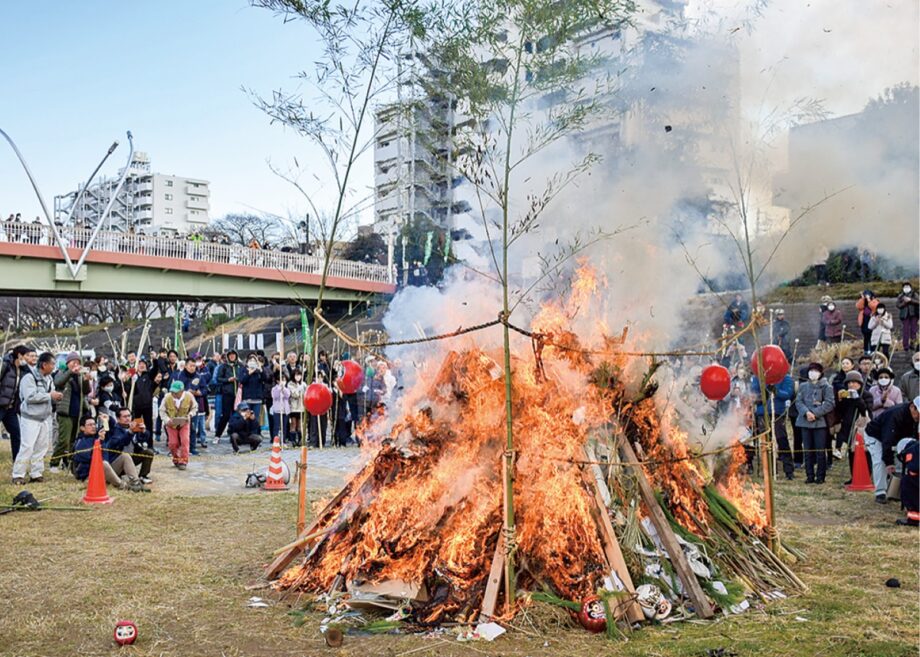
pixel 614 555
pixel 666 534
pixel 494 583
pixel 283 560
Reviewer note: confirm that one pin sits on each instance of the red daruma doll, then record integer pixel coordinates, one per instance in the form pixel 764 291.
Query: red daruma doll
pixel 125 633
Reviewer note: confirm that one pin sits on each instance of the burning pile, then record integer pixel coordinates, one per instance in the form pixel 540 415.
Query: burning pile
pixel 424 516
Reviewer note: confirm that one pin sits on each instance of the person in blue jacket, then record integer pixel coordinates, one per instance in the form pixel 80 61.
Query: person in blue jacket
pixel 251 380
pixel 118 465
pixel 779 399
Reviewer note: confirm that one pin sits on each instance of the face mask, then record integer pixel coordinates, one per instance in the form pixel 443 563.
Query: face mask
pixel 109 388
pixel 252 364
pixel 906 289
pixel 102 368
pixel 831 307
pixel 814 375
pixel 917 365
pixel 884 382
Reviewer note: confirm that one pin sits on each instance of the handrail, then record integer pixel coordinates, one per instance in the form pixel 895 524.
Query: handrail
pixel 164 247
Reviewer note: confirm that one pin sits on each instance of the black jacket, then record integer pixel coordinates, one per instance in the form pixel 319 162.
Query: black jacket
pixel 10 376
pixel 226 370
pixel 848 409
pixel 244 427
pixel 889 427
pixel 144 388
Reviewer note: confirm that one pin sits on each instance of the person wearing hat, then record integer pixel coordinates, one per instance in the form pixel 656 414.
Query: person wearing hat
pixel 782 337
pixel 854 404
pixel 884 393
pixel 832 321
pixel 881 436
pixel 815 399
pixel 244 429
pixel 74 386
pixel 908 304
pixel 176 413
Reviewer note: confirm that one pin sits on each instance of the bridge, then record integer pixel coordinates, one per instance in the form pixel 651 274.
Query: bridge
pixel 131 266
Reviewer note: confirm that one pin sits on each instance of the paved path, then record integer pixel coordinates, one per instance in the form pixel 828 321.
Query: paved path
pixel 218 471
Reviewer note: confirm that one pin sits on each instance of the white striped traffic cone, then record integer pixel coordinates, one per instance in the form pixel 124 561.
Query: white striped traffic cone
pixel 275 478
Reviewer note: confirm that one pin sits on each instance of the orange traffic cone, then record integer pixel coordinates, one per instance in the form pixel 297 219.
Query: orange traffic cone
pixel 275 478
pixel 861 479
pixel 95 483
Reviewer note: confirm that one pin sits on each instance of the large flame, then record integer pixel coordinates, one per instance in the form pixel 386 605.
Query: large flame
pixel 427 508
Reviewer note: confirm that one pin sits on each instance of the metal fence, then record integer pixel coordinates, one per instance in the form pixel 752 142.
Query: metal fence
pixel 166 247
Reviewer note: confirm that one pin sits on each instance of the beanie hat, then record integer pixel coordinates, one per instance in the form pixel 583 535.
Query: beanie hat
pixel 176 386
pixel 917 402
pixel 853 375
pixel 816 366
pixel 73 355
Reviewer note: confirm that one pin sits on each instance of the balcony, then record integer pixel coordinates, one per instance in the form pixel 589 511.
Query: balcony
pixel 143 215
pixel 196 203
pixel 201 190
pixel 143 187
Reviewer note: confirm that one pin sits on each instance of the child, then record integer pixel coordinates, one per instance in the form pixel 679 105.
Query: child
pixel 281 407
pixel 298 388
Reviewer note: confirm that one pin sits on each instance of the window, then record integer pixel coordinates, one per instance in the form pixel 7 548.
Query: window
pixel 169 183
pixel 169 197
pixel 169 211
pixel 194 212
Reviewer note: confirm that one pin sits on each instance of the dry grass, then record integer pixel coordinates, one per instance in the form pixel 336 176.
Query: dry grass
pixel 178 567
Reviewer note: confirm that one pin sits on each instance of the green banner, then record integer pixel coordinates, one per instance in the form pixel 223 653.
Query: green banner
pixel 428 240
pixel 305 329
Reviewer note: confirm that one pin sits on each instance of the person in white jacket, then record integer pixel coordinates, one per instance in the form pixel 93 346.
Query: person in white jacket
pixel 36 393
pixel 881 324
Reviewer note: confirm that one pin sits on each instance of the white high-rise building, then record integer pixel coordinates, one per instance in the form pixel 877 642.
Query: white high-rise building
pixel 150 203
pixel 413 174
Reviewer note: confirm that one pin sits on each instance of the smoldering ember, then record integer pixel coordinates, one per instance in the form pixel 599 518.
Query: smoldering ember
pixel 522 327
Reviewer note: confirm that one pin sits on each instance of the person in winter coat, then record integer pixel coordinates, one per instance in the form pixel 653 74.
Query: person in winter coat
pixel 865 307
pixel 882 434
pixel 74 385
pixel 269 368
pixel 880 325
pixel 13 368
pixel 36 396
pixel 110 399
pixel 854 403
pixel 119 470
pixel 194 385
pixel 815 399
pixel 176 413
pixel 779 398
pixel 884 393
pixel 227 375
pixel 910 380
pixel 832 320
pixel 782 333
pixel 133 433
pixel 166 366
pixel 244 429
pixel 838 383
pixel 822 337
pixel 738 313
pixel 908 304
pixel 281 407
pixel 298 388
pixel 141 392
pixel 251 381
pixel 909 455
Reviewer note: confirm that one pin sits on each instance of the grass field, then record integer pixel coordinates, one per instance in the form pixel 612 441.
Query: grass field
pixel 178 567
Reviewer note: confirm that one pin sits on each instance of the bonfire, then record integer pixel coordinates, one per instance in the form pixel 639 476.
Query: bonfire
pixel 422 520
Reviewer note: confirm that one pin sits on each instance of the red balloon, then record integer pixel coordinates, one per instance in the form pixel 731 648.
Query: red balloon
pixel 317 399
pixel 715 382
pixel 352 377
pixel 774 362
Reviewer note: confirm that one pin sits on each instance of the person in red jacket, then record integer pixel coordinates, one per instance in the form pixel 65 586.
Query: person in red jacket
pixel 832 319
pixel 866 306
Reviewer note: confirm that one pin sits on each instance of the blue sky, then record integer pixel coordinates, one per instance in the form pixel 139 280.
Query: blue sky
pixel 76 75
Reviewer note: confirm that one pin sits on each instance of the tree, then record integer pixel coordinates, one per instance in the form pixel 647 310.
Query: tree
pixel 503 59
pixel 244 228
pixel 368 247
